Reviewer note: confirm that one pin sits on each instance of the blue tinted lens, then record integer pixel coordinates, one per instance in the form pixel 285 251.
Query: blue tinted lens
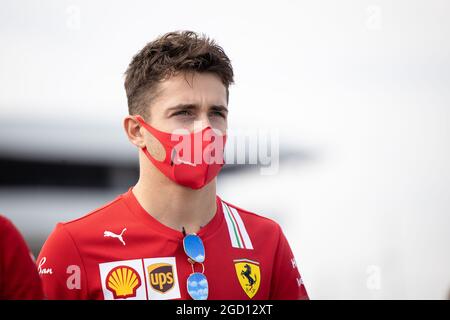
pixel 193 246
pixel 197 286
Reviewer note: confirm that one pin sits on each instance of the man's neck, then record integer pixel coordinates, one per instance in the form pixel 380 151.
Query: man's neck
pixel 176 206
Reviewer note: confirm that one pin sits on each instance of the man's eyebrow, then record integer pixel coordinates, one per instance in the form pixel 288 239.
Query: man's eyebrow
pixel 190 106
pixel 219 108
pixel 182 106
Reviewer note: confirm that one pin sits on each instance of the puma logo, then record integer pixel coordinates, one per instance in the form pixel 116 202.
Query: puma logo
pixel 110 234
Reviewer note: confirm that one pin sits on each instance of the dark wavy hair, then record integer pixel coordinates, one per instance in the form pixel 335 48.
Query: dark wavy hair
pixel 168 55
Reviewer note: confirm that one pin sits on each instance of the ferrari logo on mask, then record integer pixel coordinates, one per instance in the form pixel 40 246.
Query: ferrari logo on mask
pixel 249 275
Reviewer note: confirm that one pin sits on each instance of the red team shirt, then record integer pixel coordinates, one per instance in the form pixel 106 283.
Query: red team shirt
pixel 19 279
pixel 120 251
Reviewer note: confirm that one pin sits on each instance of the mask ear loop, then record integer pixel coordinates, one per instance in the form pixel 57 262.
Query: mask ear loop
pixel 154 131
pixel 150 129
pixel 147 126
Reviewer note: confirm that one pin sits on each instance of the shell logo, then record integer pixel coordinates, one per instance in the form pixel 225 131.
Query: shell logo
pixel 123 281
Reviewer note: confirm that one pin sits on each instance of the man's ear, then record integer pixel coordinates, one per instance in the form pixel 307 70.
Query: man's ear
pixel 133 131
pixel 136 134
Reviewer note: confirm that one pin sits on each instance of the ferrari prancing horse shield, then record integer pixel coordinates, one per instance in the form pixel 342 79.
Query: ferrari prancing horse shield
pixel 249 275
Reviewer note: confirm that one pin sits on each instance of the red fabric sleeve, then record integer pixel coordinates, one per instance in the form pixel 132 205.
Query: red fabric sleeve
pixel 61 268
pixel 287 283
pixel 19 279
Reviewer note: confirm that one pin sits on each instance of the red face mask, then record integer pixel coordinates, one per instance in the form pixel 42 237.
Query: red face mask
pixel 192 160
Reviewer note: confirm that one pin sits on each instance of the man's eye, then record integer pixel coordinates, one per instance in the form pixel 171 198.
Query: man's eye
pixel 218 113
pixel 182 113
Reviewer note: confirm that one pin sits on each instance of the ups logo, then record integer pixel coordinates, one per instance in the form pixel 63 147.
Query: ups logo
pixel 161 276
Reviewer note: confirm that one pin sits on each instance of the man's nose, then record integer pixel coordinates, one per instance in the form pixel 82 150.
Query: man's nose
pixel 204 122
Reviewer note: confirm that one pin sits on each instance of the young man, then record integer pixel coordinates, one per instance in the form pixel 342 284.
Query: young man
pixel 140 246
pixel 19 279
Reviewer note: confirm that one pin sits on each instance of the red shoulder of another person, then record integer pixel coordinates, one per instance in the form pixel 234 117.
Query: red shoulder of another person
pixel 8 231
pixel 5 224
